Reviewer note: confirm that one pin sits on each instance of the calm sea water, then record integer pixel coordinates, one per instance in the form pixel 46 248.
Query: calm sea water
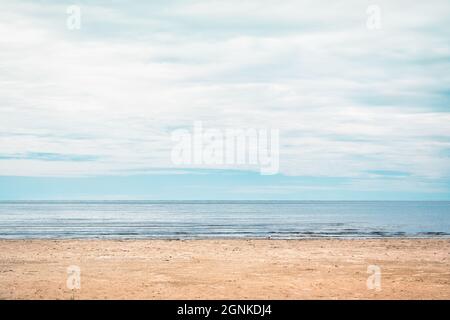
pixel 223 219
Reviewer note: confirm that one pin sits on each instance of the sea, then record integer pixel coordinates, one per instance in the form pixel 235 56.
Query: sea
pixel 223 219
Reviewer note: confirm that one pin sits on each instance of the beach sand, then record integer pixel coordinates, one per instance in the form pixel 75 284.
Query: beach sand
pixel 225 269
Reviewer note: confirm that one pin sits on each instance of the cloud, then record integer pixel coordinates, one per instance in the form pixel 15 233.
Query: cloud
pixel 349 102
pixel 48 157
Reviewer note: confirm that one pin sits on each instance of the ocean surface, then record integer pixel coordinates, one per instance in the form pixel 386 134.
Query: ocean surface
pixel 223 219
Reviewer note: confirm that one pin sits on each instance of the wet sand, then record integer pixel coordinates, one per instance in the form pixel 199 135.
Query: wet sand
pixel 225 269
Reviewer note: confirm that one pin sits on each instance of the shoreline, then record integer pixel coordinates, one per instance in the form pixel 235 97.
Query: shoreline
pixel 332 268
pixel 430 235
pixel 119 239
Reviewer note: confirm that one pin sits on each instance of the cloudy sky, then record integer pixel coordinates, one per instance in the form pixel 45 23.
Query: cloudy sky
pixel 88 113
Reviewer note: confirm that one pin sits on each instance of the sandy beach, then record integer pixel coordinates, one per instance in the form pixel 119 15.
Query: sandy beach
pixel 225 269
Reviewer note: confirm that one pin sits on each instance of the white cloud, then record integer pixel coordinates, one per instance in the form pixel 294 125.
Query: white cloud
pixel 346 100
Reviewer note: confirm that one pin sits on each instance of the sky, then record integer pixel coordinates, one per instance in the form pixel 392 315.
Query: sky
pixel 88 113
